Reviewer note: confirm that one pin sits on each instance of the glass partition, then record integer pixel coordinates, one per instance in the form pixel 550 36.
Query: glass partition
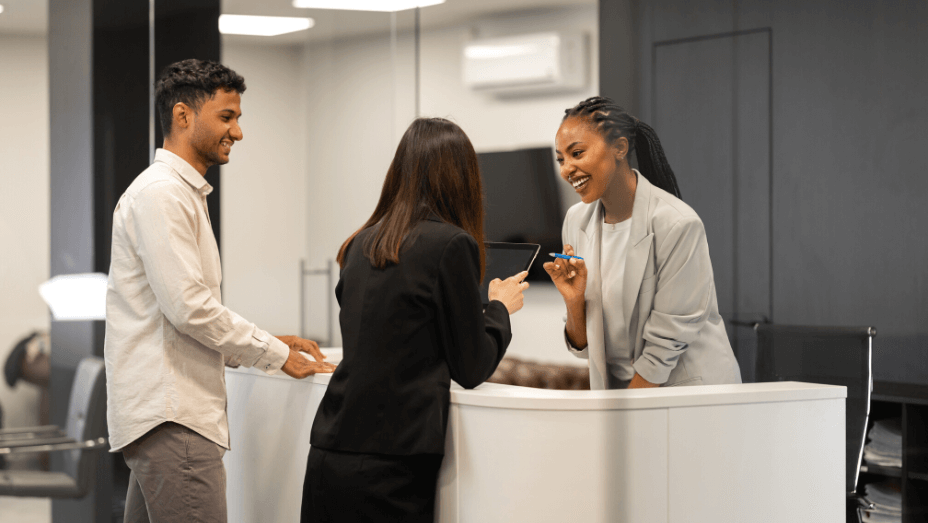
pixel 322 114
pixel 505 72
pixel 326 106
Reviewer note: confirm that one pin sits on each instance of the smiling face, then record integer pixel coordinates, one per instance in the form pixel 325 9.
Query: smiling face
pixel 587 162
pixel 216 128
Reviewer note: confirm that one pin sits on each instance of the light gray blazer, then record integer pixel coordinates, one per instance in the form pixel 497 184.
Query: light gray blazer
pixel 669 293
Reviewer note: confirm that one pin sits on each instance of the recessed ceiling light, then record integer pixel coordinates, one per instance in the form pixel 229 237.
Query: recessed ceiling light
pixel 1 8
pixel 262 25
pixel 365 5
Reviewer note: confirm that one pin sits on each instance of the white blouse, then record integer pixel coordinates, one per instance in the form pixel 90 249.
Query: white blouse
pixel 615 324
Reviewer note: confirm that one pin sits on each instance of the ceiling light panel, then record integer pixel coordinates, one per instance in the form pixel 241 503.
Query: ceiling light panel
pixel 262 25
pixel 365 5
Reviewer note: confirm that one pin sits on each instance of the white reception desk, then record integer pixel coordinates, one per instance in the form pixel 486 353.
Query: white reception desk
pixel 755 452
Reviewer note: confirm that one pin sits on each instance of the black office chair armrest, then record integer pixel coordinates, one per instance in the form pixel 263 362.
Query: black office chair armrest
pixel 856 504
pixel 32 442
pixel 18 439
pixel 16 432
pixel 856 499
pixel 77 445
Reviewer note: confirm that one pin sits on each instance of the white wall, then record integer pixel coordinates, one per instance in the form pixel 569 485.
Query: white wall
pixel 495 123
pixel 24 214
pixel 359 106
pixel 264 188
pixel 359 98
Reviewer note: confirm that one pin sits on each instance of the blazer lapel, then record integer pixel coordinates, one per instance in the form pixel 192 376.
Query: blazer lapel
pixel 589 248
pixel 639 246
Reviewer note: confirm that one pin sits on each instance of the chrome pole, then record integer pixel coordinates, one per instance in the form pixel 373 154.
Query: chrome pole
pixel 302 298
pixel 331 311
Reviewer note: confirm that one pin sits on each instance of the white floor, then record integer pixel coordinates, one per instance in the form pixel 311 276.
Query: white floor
pixel 25 510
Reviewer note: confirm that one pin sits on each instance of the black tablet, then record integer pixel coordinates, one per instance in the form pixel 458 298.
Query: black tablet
pixel 505 260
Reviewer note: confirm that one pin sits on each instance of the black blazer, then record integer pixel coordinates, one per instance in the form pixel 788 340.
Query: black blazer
pixel 407 331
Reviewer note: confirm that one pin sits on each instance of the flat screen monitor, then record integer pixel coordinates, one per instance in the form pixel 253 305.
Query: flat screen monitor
pixel 522 200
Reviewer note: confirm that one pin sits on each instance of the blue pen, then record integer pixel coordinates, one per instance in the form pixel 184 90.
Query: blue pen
pixel 563 256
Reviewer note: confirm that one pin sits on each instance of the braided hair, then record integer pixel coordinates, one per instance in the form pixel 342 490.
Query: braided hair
pixel 613 122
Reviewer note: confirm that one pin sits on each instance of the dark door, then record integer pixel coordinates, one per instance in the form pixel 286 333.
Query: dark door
pixel 711 107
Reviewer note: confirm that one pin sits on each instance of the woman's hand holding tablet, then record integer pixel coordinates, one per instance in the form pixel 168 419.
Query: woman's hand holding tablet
pixel 505 261
pixel 509 291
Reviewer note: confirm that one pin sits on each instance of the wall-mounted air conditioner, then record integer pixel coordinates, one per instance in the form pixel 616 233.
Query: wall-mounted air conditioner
pixel 540 62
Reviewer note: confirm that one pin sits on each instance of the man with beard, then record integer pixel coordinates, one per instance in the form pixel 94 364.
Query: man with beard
pixel 168 336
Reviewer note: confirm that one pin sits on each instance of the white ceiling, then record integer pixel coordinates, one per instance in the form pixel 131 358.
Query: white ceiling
pixel 31 16
pixel 334 24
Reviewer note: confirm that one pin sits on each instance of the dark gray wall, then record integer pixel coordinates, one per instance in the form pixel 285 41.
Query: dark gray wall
pixel 848 119
pixel 120 73
pixel 190 29
pixel 724 78
pixel 619 52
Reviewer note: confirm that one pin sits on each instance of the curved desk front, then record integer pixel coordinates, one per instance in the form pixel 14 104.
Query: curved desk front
pixel 724 453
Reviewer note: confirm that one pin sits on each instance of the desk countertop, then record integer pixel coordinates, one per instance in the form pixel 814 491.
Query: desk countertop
pixel 495 395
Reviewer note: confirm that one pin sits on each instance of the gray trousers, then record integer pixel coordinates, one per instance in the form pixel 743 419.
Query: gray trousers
pixel 176 475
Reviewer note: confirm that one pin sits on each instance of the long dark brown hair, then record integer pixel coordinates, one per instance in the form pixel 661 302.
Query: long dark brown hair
pixel 434 171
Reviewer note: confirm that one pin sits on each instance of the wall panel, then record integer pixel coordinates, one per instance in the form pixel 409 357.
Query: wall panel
pixel 847 191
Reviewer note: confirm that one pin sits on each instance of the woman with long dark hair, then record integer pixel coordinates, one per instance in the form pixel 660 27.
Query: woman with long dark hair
pixel 641 303
pixel 412 320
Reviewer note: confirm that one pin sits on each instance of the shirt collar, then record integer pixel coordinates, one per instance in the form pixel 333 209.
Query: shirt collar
pixel 185 170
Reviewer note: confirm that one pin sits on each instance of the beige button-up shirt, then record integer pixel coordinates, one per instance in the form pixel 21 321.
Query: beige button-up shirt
pixel 168 336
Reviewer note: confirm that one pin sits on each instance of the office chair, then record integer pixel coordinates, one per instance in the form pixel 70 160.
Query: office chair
pixel 80 441
pixel 832 356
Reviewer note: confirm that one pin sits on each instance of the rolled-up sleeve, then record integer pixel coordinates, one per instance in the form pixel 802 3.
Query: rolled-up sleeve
pixel 683 294
pixel 165 237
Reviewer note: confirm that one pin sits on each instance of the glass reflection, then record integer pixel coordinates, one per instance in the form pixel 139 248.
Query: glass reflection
pixel 326 106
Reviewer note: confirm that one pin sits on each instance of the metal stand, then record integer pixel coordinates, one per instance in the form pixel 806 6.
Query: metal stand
pixel 327 271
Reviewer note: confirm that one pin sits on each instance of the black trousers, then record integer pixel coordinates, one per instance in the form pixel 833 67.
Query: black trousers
pixel 352 488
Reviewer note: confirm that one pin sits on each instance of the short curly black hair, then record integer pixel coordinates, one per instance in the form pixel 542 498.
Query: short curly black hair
pixel 192 82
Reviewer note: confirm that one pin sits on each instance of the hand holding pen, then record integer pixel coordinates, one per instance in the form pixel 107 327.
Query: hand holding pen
pixel 563 256
pixel 568 272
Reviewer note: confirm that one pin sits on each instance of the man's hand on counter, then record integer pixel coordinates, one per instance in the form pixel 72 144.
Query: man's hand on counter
pixel 299 344
pixel 298 366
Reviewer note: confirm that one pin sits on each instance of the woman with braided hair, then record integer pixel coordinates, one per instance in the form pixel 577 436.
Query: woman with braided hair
pixel 639 289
